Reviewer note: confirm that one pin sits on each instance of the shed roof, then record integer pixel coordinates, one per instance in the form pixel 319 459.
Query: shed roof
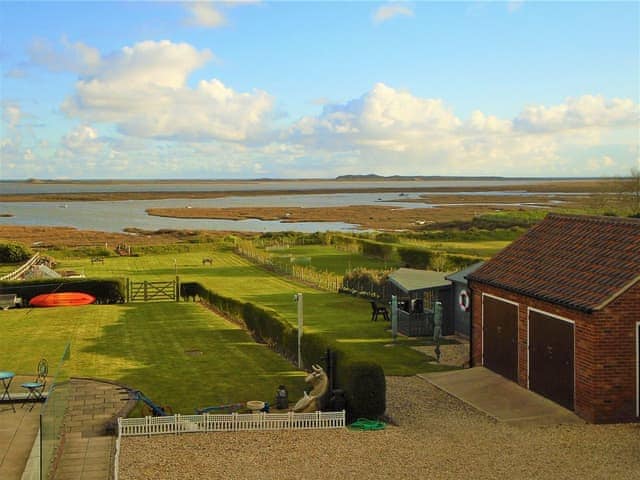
pixel 410 280
pixel 581 262
pixel 461 276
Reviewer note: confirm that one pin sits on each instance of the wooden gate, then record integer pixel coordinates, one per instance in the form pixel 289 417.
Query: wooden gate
pixel 500 337
pixel 157 291
pixel 551 358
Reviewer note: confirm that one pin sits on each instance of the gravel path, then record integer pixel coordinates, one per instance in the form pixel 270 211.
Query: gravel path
pixel 437 437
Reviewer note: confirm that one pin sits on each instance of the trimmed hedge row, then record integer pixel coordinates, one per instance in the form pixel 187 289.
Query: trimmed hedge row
pixel 363 382
pixel 105 290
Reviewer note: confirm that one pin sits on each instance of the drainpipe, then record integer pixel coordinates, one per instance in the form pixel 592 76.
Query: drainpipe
pixel 470 323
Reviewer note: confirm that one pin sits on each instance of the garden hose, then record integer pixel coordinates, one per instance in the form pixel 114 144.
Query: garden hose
pixel 366 424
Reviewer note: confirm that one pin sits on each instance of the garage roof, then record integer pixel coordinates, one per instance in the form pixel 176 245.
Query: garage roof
pixel 582 262
pixel 410 280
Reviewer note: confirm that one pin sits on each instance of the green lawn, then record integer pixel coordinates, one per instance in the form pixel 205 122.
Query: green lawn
pixel 143 346
pixel 328 258
pixel 343 319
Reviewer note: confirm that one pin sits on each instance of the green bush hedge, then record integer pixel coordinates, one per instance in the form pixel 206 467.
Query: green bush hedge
pixel 14 253
pixel 104 290
pixel 363 382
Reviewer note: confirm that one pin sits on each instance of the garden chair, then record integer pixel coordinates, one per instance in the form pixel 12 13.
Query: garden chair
pixel 376 310
pixel 36 388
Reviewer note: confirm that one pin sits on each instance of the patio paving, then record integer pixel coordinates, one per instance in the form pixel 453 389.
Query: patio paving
pixel 88 443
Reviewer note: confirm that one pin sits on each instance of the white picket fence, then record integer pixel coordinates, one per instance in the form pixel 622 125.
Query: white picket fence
pixel 21 269
pixel 232 422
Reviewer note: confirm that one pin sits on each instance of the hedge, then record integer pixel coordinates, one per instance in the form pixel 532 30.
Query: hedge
pixel 14 253
pixel 363 382
pixel 105 290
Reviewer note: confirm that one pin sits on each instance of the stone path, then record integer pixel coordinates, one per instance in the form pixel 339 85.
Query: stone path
pixel 89 445
pixel 456 354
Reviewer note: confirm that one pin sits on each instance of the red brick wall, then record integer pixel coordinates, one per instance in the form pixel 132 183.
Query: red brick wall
pixel 605 351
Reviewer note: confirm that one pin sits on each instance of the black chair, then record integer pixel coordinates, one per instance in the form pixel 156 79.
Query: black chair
pixel 377 310
pixel 36 388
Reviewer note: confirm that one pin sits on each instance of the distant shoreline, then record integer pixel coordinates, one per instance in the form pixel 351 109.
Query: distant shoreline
pixel 540 186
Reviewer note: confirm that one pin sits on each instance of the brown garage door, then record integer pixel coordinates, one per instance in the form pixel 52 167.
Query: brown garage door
pixel 551 358
pixel 500 323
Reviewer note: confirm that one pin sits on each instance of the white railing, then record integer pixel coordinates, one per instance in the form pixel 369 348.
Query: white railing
pixel 232 422
pixel 22 269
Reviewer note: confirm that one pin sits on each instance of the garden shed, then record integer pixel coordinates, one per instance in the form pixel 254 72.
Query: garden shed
pixel 417 290
pixel 558 311
pixel 462 300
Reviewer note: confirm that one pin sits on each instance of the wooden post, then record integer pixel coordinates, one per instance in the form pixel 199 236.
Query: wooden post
pixel 177 288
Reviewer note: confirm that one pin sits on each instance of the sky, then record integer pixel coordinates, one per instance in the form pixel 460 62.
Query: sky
pixel 259 89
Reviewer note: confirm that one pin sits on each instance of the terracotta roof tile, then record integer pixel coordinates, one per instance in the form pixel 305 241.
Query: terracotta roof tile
pixel 582 262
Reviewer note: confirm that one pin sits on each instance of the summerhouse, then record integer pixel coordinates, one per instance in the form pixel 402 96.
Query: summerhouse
pixel 558 311
pixel 417 290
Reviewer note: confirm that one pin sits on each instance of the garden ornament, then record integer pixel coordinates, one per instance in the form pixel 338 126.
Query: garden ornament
pixel 310 402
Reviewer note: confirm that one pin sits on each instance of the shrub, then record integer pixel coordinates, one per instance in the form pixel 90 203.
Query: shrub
pixel 14 253
pixel 415 257
pixel 104 290
pixel 365 388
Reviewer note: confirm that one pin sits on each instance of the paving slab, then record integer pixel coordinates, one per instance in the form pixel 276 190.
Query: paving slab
pixel 500 398
pixel 18 431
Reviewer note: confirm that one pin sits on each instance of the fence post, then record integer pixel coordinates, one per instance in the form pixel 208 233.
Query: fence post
pixel 177 288
pixel 145 290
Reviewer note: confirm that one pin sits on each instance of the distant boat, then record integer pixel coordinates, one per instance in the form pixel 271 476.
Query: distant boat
pixel 62 299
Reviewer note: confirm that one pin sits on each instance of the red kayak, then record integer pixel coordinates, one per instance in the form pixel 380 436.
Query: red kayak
pixel 63 299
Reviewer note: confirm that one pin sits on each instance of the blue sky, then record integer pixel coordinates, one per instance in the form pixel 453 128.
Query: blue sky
pixel 252 89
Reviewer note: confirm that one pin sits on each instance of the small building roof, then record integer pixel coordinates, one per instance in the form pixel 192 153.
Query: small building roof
pixel 461 276
pixel 581 262
pixel 410 280
pixel 41 271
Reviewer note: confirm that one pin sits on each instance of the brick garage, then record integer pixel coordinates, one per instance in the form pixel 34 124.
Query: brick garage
pixel 558 311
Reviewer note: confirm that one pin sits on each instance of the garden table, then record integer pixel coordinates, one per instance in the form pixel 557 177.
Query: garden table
pixel 6 378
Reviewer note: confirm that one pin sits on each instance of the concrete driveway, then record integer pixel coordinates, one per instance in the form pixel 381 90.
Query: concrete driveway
pixel 501 399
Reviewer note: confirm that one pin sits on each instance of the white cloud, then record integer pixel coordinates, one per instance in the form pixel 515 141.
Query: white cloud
pixel 143 90
pixel 515 5
pixel 204 14
pixel 68 57
pixel 391 10
pixel 208 14
pixel 11 114
pixel 577 113
pixel 393 131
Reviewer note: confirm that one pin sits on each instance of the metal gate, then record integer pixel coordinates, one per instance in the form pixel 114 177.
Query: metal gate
pixel 551 358
pixel 500 337
pixel 158 291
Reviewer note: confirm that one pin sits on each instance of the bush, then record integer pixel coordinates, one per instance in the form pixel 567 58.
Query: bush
pixel 365 388
pixel 415 257
pixel 104 290
pixel 14 253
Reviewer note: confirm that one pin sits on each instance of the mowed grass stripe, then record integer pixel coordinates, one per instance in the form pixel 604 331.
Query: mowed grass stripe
pixel 145 346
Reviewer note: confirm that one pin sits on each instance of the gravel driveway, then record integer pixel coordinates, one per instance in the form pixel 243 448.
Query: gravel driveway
pixel 437 437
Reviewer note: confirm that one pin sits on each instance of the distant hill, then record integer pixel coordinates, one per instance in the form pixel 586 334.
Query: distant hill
pixel 374 177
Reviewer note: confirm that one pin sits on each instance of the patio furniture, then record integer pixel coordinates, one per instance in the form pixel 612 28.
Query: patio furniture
pixel 377 310
pixel 6 378
pixel 36 388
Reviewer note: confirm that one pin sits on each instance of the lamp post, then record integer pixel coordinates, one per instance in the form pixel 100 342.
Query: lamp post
pixel 298 298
